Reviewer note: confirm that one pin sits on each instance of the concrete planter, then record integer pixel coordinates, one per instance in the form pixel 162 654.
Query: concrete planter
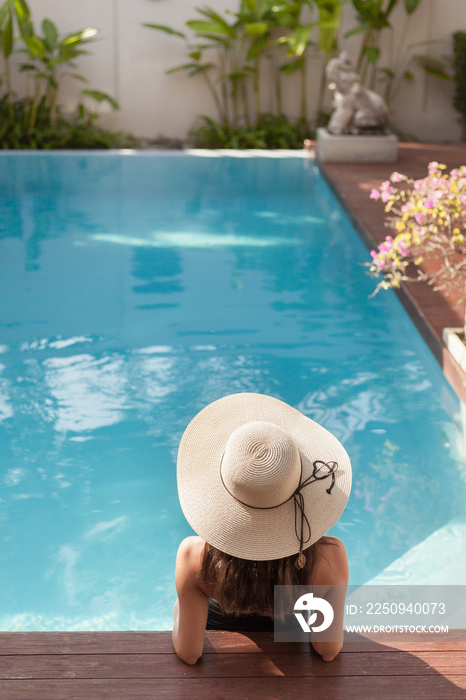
pixel 454 339
pixel 370 148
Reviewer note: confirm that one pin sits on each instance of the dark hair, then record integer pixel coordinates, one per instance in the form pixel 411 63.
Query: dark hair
pixel 246 586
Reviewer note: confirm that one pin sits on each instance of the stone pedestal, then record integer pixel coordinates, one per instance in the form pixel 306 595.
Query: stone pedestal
pixel 370 148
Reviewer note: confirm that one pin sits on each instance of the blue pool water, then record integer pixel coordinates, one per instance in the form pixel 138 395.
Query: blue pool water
pixel 135 289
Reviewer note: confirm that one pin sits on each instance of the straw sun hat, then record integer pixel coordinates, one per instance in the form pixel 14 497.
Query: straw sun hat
pixel 259 480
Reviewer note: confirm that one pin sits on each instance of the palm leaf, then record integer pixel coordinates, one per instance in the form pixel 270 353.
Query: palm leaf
pixel 165 28
pixel 99 96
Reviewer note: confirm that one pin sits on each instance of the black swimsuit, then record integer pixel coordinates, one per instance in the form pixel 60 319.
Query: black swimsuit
pixel 218 620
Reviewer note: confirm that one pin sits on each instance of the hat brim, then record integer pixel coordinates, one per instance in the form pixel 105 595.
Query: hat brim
pixel 237 529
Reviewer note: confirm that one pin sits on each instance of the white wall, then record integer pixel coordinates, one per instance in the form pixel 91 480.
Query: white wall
pixel 129 62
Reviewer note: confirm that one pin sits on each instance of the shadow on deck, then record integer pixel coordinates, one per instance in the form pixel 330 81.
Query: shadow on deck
pixel 136 665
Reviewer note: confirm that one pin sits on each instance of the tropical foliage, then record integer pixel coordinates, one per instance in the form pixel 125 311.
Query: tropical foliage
pixel 245 58
pixel 270 131
pixel 241 53
pixel 35 120
pixel 396 66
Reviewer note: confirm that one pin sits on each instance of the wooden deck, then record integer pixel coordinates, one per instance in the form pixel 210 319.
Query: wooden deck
pixel 142 665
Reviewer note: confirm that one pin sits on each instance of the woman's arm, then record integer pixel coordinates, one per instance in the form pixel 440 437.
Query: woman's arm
pixel 333 573
pixel 191 608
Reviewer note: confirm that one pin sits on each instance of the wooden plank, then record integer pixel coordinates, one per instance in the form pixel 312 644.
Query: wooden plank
pixel 454 640
pixel 351 688
pixel 216 642
pixel 225 642
pixel 84 642
pixel 230 665
pixel 129 642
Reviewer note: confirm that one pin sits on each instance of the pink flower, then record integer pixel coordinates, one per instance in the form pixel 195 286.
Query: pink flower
pixel 419 218
pixel 385 185
pixel 432 167
pixel 387 245
pixel 429 204
pixel 386 194
pixel 375 194
pixel 402 248
pixel 378 262
pixel 396 177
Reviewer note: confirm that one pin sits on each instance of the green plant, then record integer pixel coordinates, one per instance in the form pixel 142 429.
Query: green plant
pixel 242 53
pixel 47 56
pixel 329 24
pixel 299 41
pixel 374 18
pixel 88 113
pixel 65 133
pixel 227 54
pixel 34 120
pixel 13 13
pixel 459 60
pixel 271 131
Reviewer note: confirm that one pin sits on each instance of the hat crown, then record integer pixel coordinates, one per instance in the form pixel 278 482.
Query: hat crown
pixel 261 465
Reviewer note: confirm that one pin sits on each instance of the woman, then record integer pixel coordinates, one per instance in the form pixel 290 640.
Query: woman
pixel 261 484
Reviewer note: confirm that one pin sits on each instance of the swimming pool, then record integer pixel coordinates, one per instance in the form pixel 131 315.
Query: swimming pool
pixel 137 288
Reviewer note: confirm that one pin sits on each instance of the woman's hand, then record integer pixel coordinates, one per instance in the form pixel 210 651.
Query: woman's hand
pixel 327 650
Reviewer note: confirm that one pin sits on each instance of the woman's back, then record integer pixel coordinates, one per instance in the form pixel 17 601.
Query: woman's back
pixel 195 610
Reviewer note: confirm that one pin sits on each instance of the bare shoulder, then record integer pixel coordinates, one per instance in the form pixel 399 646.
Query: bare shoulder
pixel 334 543
pixel 191 548
pixel 189 556
pixel 332 566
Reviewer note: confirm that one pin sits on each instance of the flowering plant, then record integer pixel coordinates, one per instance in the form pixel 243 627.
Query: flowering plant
pixel 428 217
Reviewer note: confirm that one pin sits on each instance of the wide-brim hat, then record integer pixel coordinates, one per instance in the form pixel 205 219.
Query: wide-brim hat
pixel 259 480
